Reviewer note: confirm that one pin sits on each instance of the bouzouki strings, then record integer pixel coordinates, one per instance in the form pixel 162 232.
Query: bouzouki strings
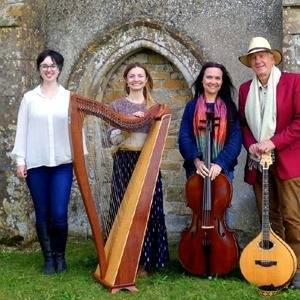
pixel 267 261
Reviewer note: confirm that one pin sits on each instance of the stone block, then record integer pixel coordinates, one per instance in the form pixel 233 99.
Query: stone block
pixel 175 224
pixel 176 75
pixel 112 95
pixel 292 21
pixel 160 75
pixel 174 178
pixel 174 155
pixel 142 58
pixel 117 85
pixel 171 142
pixel 157 84
pixel 175 193
pixel 174 84
pixel 9 106
pixel 10 14
pixel 12 77
pixel 156 59
pixel 176 207
pixel 291 2
pixel 167 165
pixel 179 99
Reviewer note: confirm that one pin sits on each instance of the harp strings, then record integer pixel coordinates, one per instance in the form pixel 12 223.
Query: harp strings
pixel 123 163
pixel 106 175
pixel 123 166
pixel 98 163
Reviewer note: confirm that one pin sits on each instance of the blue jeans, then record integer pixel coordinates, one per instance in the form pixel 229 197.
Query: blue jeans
pixel 50 189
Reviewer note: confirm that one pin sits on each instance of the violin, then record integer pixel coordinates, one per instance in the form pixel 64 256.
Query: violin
pixel 207 246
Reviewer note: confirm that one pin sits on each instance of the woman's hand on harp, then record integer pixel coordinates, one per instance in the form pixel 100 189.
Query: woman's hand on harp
pixel 139 114
pixel 116 136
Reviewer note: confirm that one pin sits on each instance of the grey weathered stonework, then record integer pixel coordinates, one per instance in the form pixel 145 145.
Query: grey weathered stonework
pixel 20 38
pixel 10 13
pixel 291 31
pixel 90 74
pixel 96 38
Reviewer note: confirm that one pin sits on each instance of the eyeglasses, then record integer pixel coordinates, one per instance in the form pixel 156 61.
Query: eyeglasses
pixel 45 67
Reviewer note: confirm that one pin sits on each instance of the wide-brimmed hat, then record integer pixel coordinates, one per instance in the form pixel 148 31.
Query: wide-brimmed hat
pixel 258 44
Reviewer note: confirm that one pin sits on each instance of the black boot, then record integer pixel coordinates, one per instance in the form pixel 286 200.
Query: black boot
pixel 44 239
pixel 59 238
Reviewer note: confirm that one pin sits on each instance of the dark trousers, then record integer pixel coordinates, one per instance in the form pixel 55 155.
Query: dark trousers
pixel 50 189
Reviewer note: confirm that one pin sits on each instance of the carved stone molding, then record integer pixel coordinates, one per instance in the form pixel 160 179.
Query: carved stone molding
pixel 108 51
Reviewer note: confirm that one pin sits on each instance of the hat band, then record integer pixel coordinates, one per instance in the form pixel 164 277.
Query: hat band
pixel 259 48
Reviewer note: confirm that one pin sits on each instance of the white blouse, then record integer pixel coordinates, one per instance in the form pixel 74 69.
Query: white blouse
pixel 42 137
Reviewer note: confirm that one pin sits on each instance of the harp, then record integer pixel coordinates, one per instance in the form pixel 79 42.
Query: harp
pixel 118 257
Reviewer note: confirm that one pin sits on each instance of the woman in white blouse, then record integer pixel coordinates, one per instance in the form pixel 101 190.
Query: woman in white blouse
pixel 43 156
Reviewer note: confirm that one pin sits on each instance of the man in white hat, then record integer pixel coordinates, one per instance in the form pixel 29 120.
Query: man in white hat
pixel 269 108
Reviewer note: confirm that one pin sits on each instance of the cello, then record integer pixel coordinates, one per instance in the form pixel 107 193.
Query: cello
pixel 267 261
pixel 207 246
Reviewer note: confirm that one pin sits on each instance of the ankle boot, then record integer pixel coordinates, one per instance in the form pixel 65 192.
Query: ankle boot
pixel 61 265
pixel 58 240
pixel 44 239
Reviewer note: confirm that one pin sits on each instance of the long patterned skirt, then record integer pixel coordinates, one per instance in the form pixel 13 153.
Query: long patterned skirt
pixel 155 253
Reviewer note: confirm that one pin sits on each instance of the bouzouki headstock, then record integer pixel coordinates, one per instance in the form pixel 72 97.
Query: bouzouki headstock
pixel 266 160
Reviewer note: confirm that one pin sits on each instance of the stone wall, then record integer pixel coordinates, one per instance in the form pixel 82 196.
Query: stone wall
pixel 97 38
pixel 20 38
pixel 291 33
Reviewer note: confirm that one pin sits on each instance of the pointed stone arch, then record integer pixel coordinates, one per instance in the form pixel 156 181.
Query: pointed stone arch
pixel 107 52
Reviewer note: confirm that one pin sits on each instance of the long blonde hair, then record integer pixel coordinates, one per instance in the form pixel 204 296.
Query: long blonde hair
pixel 149 84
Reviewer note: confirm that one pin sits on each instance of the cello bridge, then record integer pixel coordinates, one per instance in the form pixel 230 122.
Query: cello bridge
pixel 207 227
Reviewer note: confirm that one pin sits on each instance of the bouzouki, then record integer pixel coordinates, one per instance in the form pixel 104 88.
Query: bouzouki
pixel 267 261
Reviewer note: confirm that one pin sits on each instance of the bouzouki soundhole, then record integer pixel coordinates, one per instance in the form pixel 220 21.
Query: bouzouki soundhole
pixel 266 245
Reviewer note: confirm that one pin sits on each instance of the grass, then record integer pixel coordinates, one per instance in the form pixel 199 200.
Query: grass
pixel 21 278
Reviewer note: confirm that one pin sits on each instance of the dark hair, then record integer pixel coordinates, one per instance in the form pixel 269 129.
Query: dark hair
pixel 56 57
pixel 149 85
pixel 226 92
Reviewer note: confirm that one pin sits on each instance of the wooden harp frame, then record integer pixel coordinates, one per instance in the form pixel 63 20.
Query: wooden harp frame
pixel 118 258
